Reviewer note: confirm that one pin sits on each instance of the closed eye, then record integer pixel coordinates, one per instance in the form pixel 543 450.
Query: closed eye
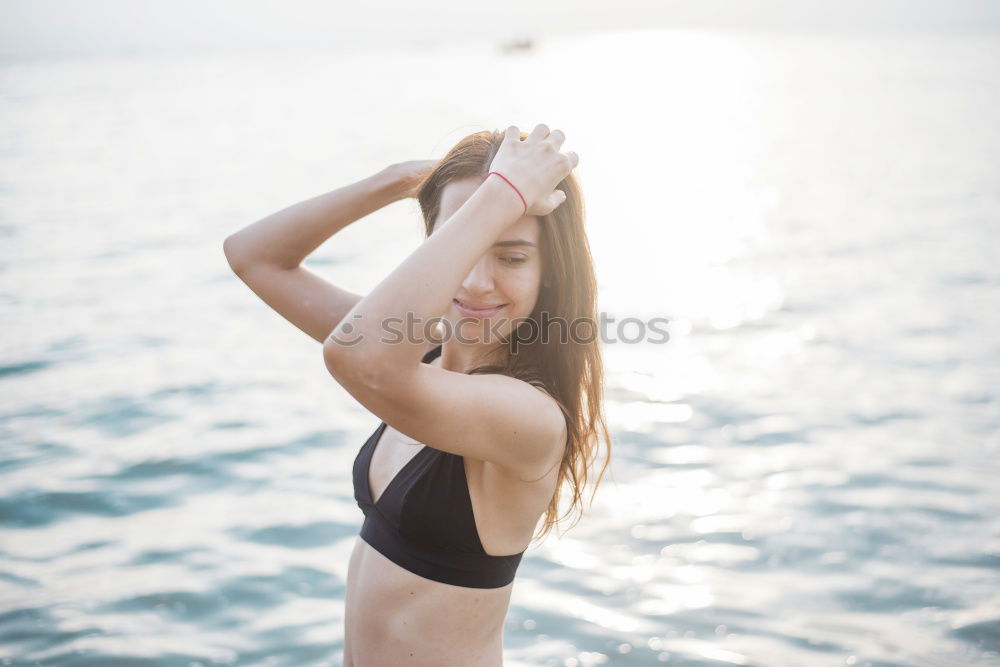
pixel 514 260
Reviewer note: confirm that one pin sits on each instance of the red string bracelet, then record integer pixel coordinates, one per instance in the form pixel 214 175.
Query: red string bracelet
pixel 511 185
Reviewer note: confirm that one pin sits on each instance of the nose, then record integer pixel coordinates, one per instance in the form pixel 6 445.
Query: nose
pixel 480 278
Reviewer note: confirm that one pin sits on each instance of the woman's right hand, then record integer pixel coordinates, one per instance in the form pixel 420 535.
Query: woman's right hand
pixel 535 166
pixel 410 174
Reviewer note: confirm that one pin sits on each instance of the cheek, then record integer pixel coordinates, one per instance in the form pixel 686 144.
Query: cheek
pixel 526 283
pixel 527 290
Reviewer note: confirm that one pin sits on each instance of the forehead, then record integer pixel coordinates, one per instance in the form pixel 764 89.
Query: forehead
pixel 457 192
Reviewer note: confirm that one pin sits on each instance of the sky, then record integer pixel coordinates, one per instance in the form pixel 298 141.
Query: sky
pixel 57 28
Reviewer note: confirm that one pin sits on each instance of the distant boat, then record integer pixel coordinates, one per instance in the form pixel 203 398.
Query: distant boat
pixel 517 45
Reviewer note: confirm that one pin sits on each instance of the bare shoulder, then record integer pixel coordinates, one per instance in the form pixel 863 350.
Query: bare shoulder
pixel 558 443
pixel 491 417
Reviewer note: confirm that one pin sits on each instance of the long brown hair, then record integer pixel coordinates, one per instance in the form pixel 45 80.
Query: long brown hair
pixel 569 368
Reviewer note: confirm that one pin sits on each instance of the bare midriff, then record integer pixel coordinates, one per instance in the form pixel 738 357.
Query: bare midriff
pixel 395 617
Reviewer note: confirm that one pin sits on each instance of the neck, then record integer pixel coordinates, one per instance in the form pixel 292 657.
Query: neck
pixel 462 358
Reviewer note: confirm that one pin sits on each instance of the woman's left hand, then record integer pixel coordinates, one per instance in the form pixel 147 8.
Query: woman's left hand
pixel 411 174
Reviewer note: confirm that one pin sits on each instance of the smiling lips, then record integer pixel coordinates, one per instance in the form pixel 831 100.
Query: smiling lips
pixel 477 312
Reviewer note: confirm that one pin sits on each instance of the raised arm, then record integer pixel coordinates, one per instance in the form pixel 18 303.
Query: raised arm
pixel 267 254
pixel 491 417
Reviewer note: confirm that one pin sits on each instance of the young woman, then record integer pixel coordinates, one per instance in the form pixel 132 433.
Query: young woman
pixel 485 418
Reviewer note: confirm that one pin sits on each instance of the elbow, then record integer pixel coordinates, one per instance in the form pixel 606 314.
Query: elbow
pixel 335 356
pixel 350 366
pixel 341 348
pixel 347 347
pixel 355 371
pixel 232 256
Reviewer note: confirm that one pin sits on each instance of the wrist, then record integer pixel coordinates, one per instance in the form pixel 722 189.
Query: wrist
pixel 503 193
pixel 504 182
pixel 392 183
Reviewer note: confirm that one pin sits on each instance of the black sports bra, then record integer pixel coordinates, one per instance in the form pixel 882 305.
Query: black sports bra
pixel 423 520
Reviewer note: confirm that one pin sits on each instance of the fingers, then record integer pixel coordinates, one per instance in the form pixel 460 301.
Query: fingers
pixel 552 202
pixel 540 132
pixel 556 138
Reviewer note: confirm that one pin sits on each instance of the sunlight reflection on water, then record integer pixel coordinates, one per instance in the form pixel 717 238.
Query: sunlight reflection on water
pixel 803 474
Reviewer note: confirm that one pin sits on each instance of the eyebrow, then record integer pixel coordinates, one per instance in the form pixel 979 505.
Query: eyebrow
pixel 515 242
